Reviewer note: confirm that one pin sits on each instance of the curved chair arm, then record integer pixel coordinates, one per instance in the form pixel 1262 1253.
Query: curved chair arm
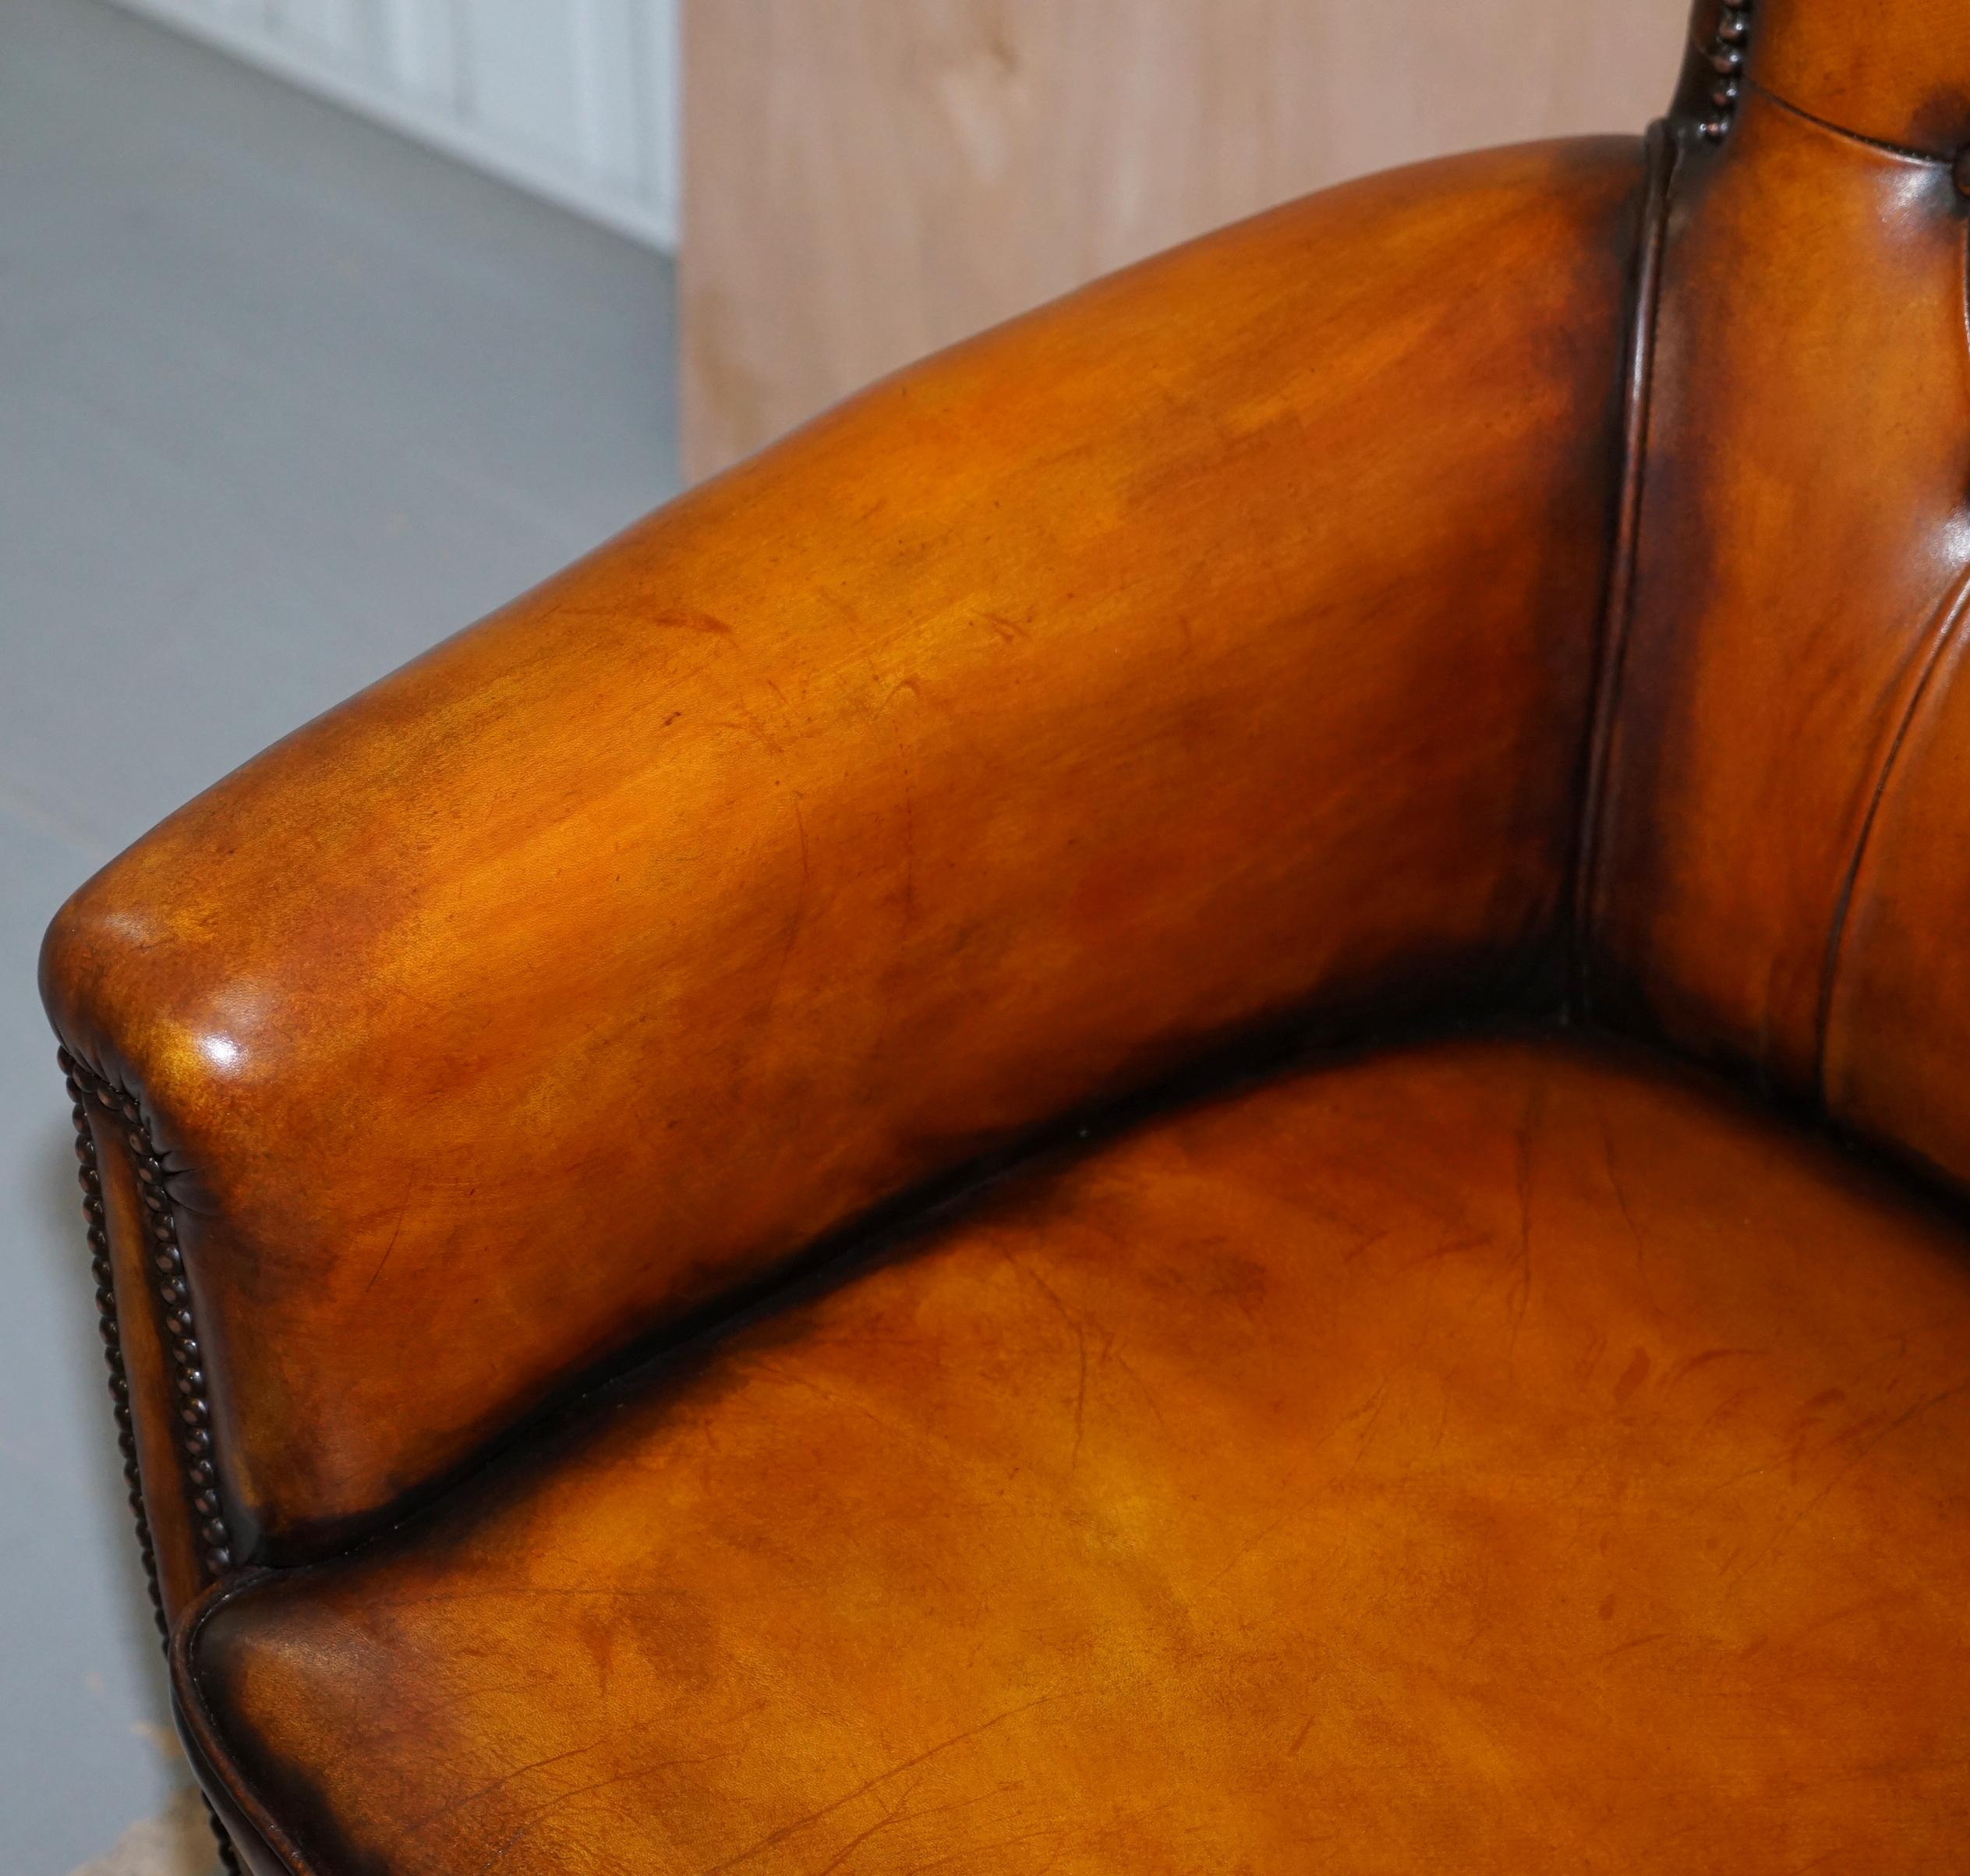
pixel 1213 644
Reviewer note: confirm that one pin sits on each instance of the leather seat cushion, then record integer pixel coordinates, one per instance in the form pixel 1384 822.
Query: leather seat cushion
pixel 1503 1454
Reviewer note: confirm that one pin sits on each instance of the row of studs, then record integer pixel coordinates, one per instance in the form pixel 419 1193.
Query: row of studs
pixel 1727 54
pixel 107 1325
pixel 82 1087
pixel 194 1430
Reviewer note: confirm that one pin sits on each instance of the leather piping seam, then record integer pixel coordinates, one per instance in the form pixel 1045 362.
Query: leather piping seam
pixel 1619 600
pixel 1963 295
pixel 191 1436
pixel 1949 617
pixel 209 1741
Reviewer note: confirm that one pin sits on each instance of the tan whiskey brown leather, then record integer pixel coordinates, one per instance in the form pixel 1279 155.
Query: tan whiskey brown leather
pixel 1897 73
pixel 1470 1457
pixel 588 1409
pixel 1778 842
pixel 1802 542
pixel 1213 644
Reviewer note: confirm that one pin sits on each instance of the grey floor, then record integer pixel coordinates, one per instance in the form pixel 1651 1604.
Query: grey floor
pixel 282 399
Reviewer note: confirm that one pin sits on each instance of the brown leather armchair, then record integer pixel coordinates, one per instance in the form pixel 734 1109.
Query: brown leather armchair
pixel 1189 1100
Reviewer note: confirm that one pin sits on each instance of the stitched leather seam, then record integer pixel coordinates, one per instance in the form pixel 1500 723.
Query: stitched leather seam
pixel 1618 603
pixel 1945 631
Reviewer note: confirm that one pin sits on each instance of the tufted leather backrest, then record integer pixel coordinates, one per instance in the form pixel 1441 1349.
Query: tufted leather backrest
pixel 1781 840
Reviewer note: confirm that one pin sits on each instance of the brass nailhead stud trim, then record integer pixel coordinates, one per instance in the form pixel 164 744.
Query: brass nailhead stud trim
pixel 84 1089
pixel 1727 58
pixel 93 1096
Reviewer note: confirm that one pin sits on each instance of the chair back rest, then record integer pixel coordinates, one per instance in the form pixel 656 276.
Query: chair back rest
pixel 1777 869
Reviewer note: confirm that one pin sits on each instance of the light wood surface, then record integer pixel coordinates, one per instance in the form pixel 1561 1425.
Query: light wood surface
pixel 866 180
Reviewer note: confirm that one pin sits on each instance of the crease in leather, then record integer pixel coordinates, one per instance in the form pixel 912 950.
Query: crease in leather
pixel 1897 70
pixel 1942 637
pixel 1901 152
pixel 1663 155
pixel 1701 40
pixel 1711 924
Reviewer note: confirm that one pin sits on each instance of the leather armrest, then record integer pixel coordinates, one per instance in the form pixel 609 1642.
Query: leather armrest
pixel 1212 644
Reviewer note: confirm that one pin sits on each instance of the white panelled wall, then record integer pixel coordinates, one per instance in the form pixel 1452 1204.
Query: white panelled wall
pixel 576 100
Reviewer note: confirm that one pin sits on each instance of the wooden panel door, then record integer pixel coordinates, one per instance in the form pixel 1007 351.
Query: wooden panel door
pixel 865 180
